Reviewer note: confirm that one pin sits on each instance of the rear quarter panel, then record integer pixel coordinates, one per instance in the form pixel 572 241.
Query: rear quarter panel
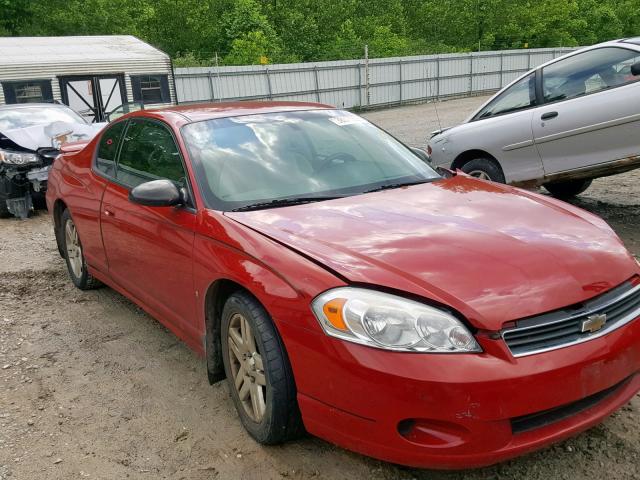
pixel 72 182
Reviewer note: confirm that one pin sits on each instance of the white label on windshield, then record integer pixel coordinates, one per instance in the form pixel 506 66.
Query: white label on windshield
pixel 347 120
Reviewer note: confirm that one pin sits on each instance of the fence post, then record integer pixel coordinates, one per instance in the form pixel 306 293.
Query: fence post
pixel 213 97
pixel 470 73
pixel 366 74
pixel 400 65
pixel 359 84
pixel 269 83
pixel 315 76
pixel 501 70
pixel 438 78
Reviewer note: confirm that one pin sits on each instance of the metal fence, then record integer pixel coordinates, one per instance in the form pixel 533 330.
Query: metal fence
pixel 362 83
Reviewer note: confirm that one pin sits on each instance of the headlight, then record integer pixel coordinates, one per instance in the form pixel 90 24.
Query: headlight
pixel 386 321
pixel 17 158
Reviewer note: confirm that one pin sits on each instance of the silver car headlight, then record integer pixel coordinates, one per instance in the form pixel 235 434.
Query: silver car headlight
pixel 17 158
pixel 390 322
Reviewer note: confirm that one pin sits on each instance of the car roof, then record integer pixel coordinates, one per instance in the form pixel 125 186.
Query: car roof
pixel 629 43
pixel 633 41
pixel 208 111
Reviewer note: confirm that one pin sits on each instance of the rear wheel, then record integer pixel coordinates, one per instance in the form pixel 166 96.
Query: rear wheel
pixel 568 189
pixel 485 169
pixel 258 371
pixel 72 248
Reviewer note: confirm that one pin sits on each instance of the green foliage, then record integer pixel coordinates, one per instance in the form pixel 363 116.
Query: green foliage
pixel 248 31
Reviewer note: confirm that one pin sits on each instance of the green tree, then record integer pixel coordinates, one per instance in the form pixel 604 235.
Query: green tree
pixel 243 31
pixel 14 14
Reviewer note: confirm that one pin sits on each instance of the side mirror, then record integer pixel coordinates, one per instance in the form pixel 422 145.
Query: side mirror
pixel 421 154
pixel 157 193
pixel 635 69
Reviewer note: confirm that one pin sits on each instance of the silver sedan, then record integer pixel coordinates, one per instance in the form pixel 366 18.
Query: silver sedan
pixel 560 125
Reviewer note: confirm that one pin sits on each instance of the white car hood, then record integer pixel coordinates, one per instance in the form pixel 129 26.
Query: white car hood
pixel 41 136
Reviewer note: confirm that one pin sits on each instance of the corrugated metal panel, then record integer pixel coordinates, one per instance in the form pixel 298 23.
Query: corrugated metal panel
pixel 343 83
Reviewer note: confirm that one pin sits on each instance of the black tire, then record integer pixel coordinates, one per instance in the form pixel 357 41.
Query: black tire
pixel 4 211
pixel 4 188
pixel 84 280
pixel 39 200
pixel 568 189
pixel 485 168
pixel 281 419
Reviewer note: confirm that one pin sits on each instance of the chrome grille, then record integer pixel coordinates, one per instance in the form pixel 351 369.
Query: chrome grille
pixel 569 326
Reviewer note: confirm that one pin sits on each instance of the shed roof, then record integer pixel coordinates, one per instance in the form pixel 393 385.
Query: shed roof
pixel 73 50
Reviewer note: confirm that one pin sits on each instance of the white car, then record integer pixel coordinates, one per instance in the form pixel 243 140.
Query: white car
pixel 560 125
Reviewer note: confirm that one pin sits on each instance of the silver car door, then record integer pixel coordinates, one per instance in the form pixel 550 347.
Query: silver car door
pixel 591 113
pixel 504 129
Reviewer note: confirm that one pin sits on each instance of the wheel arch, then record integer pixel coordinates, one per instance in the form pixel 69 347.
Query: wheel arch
pixel 58 208
pixel 469 155
pixel 217 294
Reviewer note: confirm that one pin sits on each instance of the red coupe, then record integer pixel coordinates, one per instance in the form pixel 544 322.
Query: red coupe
pixel 343 286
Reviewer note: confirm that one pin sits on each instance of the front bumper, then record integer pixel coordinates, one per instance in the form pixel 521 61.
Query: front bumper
pixel 456 410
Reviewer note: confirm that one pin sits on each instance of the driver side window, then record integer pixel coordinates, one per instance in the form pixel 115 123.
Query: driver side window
pixel 149 152
pixel 521 95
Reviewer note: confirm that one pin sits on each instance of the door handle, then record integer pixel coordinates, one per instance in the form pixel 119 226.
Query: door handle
pixel 549 115
pixel 109 213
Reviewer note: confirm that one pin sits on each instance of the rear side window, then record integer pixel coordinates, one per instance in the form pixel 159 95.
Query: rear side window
pixel 519 96
pixel 588 72
pixel 149 152
pixel 108 149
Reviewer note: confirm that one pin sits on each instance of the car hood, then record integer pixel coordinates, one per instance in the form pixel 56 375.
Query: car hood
pixel 41 136
pixel 494 253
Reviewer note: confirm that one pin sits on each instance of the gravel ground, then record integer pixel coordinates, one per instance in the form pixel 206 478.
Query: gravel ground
pixel 92 387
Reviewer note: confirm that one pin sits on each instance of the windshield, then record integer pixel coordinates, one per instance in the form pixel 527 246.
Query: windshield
pixel 250 160
pixel 23 117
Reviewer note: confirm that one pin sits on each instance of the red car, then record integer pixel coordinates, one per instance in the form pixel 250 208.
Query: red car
pixel 343 286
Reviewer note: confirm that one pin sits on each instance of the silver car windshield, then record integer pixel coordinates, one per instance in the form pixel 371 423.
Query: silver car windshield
pixel 249 160
pixel 23 117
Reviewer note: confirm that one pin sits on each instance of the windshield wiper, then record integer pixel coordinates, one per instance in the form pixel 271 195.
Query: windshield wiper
pixel 284 202
pixel 397 185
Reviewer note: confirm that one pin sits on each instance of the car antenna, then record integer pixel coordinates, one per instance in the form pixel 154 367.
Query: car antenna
pixel 435 107
pixel 434 100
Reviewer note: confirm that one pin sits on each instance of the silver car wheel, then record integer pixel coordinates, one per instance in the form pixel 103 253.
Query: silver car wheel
pixel 482 175
pixel 247 367
pixel 74 249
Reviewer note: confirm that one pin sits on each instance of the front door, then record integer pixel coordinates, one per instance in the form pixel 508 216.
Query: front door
pixel 149 249
pixel 94 96
pixel 591 111
pixel 503 127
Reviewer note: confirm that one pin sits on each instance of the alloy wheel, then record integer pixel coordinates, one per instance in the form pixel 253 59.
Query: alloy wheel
pixel 481 174
pixel 247 367
pixel 74 249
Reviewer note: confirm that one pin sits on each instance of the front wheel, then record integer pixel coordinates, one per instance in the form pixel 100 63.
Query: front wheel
pixel 484 169
pixel 258 371
pixel 73 255
pixel 567 189
pixel 5 187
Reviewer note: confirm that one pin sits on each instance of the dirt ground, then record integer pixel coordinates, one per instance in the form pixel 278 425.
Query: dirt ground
pixel 92 387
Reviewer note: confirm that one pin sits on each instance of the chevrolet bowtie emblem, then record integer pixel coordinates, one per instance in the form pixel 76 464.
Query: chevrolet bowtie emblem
pixel 593 323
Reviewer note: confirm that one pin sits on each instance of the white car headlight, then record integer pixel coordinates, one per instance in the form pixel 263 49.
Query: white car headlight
pixel 390 322
pixel 17 158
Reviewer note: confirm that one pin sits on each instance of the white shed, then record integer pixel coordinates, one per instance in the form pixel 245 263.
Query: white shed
pixel 98 76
